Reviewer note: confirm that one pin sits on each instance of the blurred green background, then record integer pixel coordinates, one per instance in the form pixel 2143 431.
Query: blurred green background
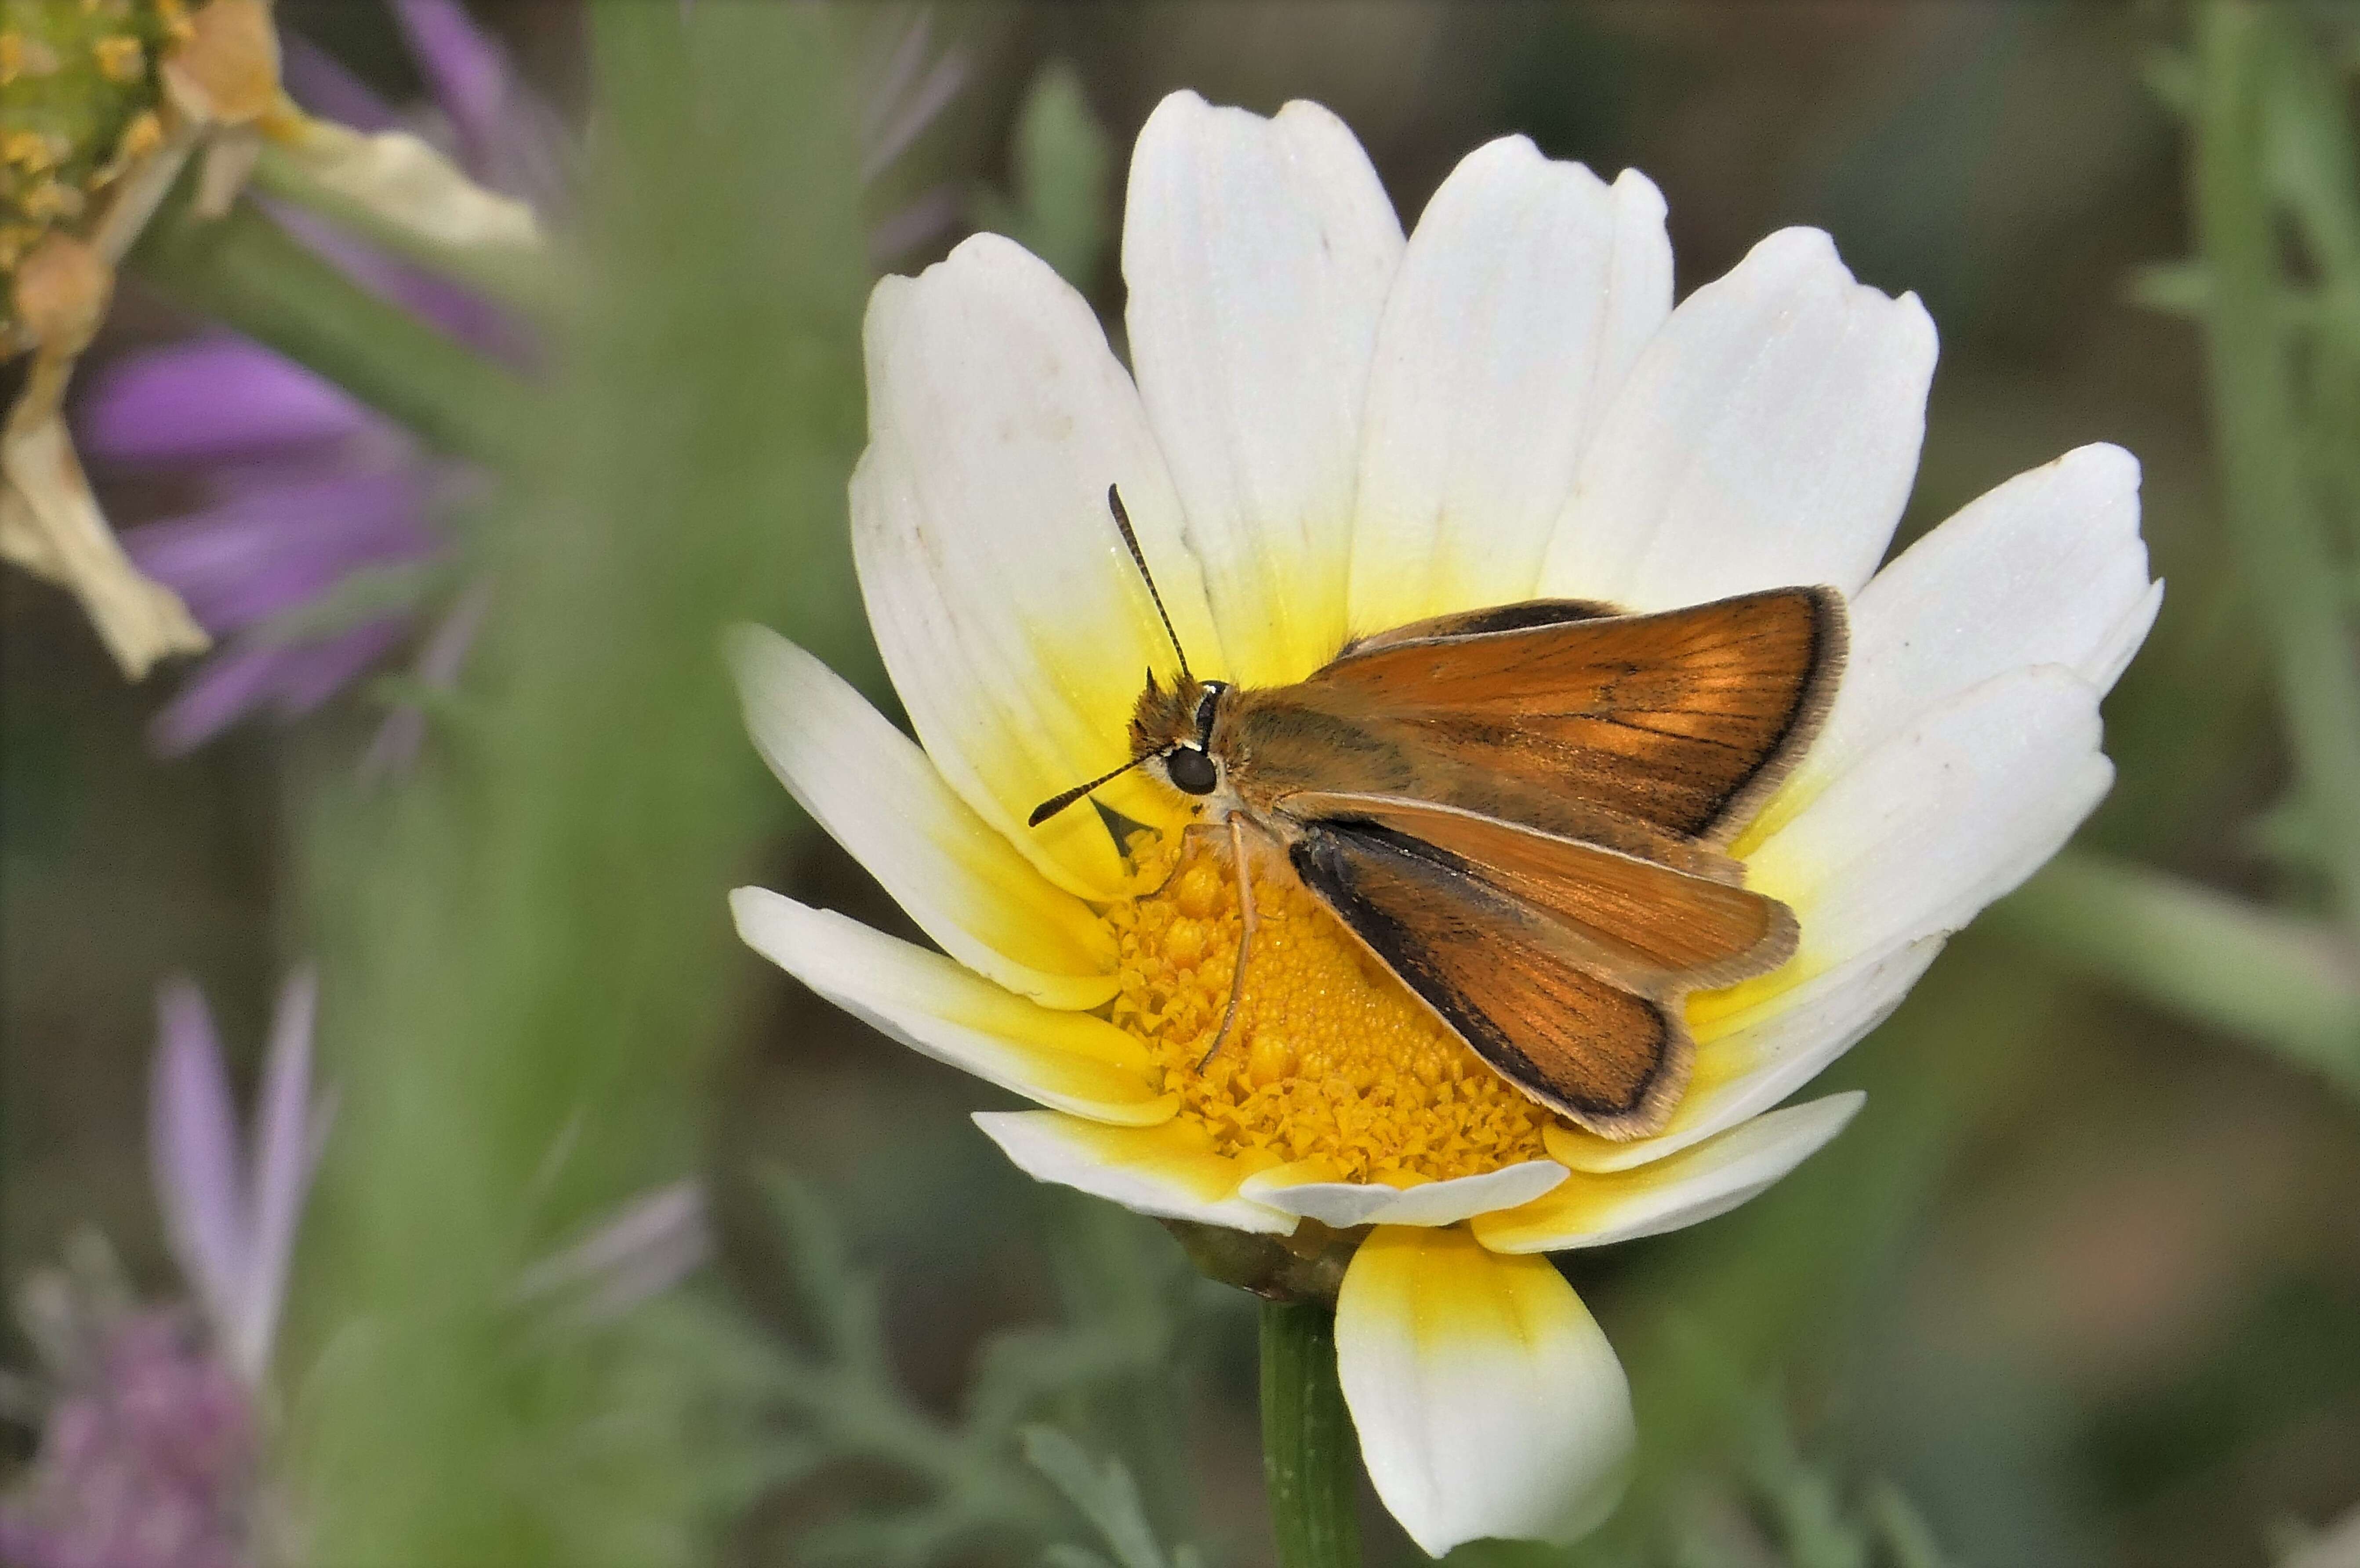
pixel 2082 1286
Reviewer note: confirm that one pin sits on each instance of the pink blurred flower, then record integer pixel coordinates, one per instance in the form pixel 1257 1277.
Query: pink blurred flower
pixel 151 1453
pixel 153 1438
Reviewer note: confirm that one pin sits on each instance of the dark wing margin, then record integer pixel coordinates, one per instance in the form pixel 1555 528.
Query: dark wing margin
pixel 1495 970
pixel 1521 617
pixel 1829 640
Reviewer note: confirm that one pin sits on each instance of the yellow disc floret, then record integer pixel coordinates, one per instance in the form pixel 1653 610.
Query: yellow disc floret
pixel 1331 1058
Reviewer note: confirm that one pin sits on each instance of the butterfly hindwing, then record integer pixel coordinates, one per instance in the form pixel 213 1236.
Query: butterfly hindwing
pixel 1652 927
pixel 1500 972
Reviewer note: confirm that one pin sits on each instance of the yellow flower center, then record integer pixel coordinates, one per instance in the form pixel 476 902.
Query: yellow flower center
pixel 1331 1058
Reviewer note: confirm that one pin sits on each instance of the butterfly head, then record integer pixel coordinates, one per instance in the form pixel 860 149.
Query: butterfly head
pixel 1172 736
pixel 1172 731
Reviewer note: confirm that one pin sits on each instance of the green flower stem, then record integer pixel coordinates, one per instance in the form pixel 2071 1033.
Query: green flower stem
pixel 245 271
pixel 2274 522
pixel 2275 980
pixel 1310 1457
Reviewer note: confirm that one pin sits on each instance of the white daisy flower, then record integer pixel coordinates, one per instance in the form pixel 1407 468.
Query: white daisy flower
pixel 1328 429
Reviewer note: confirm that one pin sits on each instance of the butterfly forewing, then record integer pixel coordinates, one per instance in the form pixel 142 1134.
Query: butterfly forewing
pixel 1498 971
pixel 1681 720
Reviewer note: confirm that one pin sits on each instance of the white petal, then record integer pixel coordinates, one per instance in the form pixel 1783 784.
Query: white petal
pixel 1068 1062
pixel 1751 1057
pixel 1768 436
pixel 1170 1171
pixel 1258 253
pixel 1711 1179
pixel 1488 1403
pixel 2046 568
pixel 1014 625
pixel 1527 290
pixel 1344 1204
pixel 874 791
pixel 1941 820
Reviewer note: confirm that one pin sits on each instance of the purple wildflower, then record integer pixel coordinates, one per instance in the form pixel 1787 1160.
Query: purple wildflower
pixel 231 1219
pixel 150 1464
pixel 318 553
pixel 308 494
pixel 152 1450
pixel 151 1454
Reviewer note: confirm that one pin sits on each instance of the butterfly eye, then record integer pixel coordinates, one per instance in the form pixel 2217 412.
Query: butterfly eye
pixel 1192 770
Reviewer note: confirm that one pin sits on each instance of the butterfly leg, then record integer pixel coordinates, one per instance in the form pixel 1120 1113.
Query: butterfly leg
pixel 1180 861
pixel 1245 939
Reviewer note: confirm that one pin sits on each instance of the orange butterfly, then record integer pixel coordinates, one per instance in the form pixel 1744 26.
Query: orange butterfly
pixel 1520 812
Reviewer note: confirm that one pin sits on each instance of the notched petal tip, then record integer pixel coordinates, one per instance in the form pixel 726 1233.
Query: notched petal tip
pixel 1259 253
pixel 1768 434
pixel 1642 193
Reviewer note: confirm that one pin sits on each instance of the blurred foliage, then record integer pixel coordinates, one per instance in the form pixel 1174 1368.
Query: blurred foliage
pixel 852 1468
pixel 1060 205
pixel 2275 289
pixel 1105 1495
pixel 2274 144
pixel 2079 1288
pixel 534 953
pixel 1772 1507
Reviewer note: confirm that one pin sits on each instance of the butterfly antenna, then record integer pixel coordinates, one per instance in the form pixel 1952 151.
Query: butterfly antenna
pixel 1139 558
pixel 1056 803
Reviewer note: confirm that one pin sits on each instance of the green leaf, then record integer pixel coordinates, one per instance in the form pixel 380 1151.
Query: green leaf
pixel 2308 154
pixel 2173 287
pixel 2170 75
pixel 1059 210
pixel 1106 1495
pixel 2272 517
pixel 1907 1539
pixel 1073 1557
pixel 2274 979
